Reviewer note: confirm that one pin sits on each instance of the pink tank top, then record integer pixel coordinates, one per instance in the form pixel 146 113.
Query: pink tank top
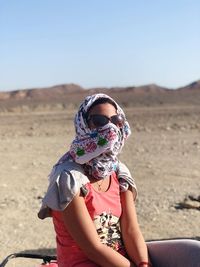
pixel 105 211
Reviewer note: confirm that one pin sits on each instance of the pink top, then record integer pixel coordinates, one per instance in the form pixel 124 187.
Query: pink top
pixel 105 211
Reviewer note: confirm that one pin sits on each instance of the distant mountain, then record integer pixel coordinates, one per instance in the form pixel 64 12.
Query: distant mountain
pixel 69 95
pixel 42 93
pixel 150 88
pixel 191 86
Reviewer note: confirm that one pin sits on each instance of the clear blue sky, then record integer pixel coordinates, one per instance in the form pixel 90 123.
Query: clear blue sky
pixel 99 43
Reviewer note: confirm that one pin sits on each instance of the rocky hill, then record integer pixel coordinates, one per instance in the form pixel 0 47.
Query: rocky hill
pixel 69 95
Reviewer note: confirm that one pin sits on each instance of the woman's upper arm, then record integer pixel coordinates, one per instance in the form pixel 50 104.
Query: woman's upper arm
pixel 79 224
pixel 129 216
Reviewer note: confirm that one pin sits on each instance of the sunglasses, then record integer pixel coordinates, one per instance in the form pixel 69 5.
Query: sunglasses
pixel 101 120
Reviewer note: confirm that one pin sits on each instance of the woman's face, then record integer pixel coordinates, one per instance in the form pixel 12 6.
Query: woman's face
pixel 105 109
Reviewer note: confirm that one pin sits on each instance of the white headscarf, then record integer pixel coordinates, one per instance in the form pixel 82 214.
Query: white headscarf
pixel 98 148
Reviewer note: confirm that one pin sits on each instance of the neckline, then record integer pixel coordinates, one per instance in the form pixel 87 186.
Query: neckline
pixel 102 192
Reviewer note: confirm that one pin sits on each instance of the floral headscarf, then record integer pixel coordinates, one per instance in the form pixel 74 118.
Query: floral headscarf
pixel 97 149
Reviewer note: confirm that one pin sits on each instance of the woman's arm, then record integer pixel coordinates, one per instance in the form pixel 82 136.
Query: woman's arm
pixel 80 226
pixel 131 233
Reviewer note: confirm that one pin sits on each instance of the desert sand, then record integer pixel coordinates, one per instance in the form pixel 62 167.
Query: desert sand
pixel 163 154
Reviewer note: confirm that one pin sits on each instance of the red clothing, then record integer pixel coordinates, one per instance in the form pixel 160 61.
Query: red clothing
pixel 105 211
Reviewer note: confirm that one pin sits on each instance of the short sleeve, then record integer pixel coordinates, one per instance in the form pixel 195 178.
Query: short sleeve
pixel 61 192
pixel 65 183
pixel 126 180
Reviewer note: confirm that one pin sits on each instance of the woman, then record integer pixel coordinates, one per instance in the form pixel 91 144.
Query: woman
pixel 91 194
pixel 89 188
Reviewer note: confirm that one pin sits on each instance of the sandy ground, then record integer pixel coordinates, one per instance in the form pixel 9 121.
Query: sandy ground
pixel 163 153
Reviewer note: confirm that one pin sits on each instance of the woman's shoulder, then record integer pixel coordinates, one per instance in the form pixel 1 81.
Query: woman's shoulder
pixel 69 166
pixel 125 178
pixel 65 181
pixel 70 170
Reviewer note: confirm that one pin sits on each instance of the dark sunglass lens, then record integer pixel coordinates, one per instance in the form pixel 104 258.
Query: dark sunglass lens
pixel 117 120
pixel 99 120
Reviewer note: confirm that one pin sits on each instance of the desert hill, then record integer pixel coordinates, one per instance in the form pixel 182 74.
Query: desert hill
pixel 191 86
pixel 69 95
